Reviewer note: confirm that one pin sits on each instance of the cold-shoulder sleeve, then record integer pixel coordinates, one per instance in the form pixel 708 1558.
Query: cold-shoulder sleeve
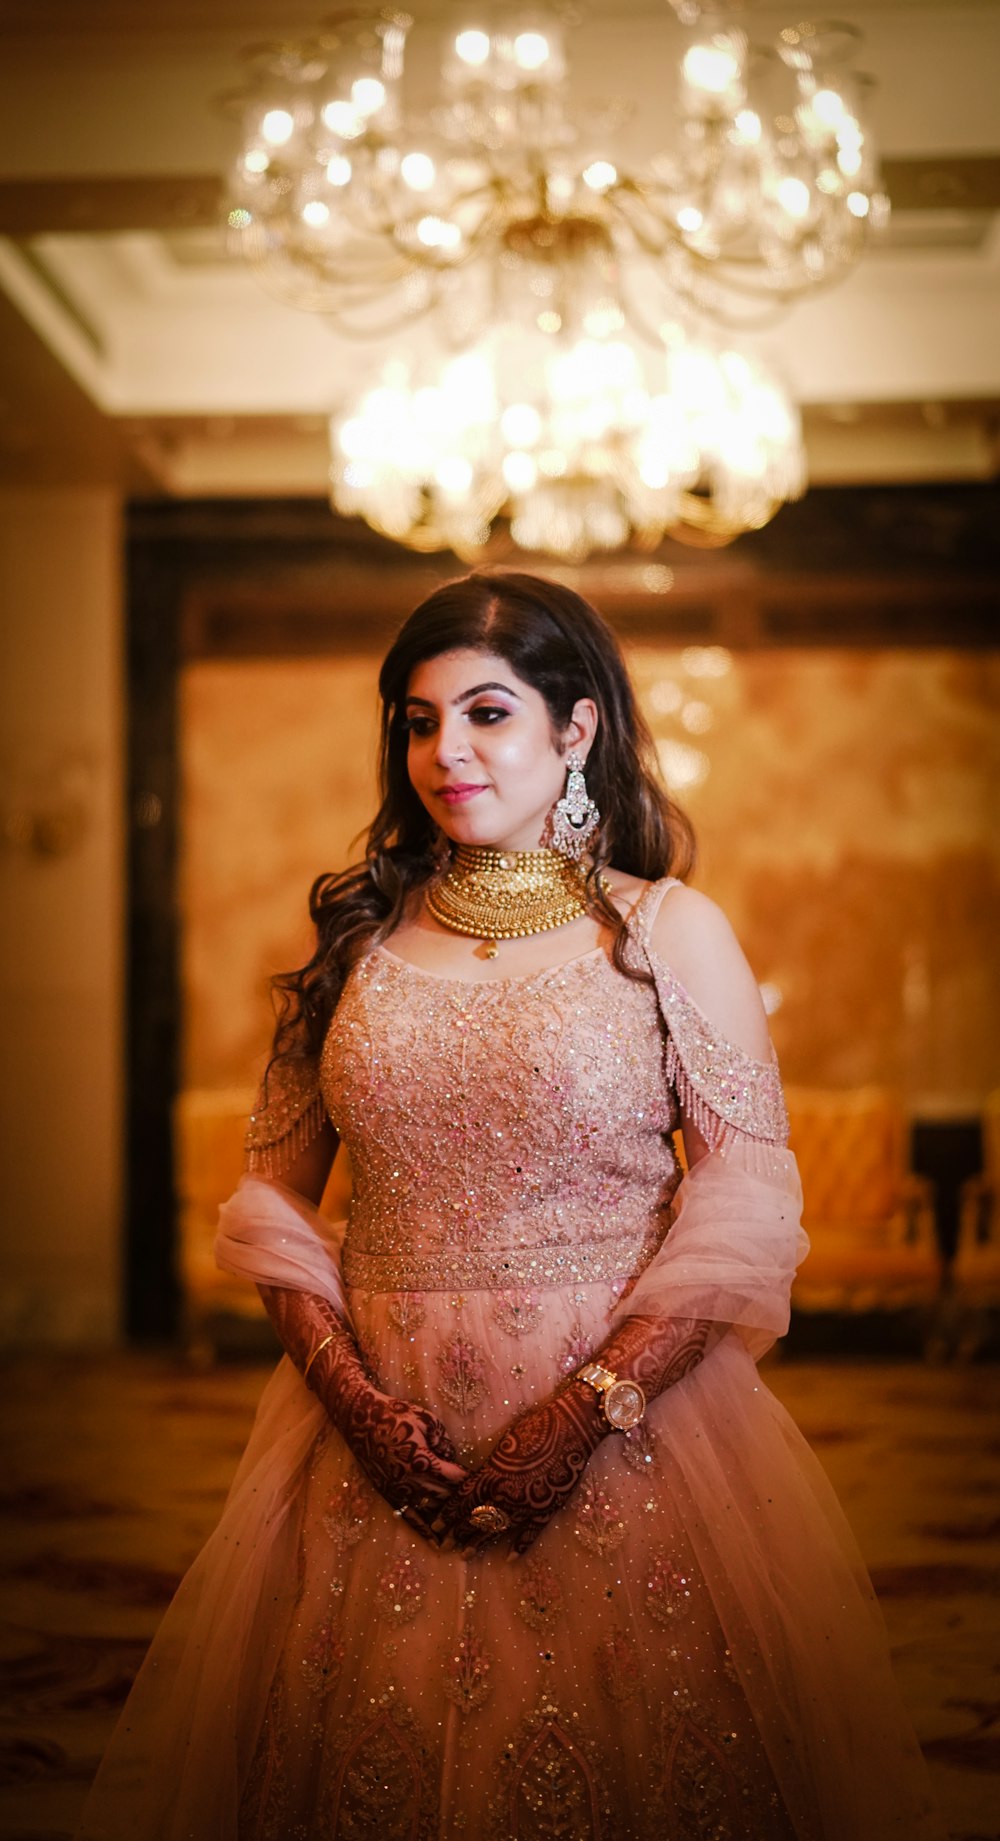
pixel 735 1238
pixel 288 1115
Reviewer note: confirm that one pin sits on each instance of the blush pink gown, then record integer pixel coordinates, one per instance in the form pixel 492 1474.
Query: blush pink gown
pixel 691 1651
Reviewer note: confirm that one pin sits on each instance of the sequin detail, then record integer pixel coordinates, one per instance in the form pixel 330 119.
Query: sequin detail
pixel 467 1673
pixel 722 1088
pixel 462 1373
pixel 400 1591
pixel 668 1591
pixel 604 1262
pixel 498 1143
pixel 288 1116
pixel 542 1602
pixel 516 1312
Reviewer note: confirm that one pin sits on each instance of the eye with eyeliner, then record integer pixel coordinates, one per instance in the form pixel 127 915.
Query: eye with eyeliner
pixel 484 715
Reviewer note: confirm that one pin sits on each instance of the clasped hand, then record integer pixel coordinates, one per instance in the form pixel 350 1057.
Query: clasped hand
pixel 530 1474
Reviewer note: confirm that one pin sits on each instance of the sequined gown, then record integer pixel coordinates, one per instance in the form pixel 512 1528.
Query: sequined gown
pixel 691 1650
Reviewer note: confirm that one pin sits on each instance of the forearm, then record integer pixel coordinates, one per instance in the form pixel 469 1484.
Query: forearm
pixel 658 1352
pixel 322 1347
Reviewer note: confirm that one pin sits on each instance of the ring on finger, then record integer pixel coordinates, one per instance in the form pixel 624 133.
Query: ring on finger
pixel 489 1520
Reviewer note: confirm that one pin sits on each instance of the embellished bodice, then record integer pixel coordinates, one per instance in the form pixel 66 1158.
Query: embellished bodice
pixel 519 1131
pixel 515 1132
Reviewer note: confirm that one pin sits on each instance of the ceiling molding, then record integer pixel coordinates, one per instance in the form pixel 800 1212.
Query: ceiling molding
pixel 178 201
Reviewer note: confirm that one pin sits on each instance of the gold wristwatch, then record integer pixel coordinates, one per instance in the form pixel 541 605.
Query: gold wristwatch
pixel 623 1403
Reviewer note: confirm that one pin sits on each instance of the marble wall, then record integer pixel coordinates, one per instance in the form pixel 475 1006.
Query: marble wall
pixel 845 803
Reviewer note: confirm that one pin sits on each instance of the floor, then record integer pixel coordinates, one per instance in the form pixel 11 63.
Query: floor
pixel 114 1470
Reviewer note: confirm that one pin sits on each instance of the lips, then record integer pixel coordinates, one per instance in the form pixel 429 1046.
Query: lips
pixel 458 794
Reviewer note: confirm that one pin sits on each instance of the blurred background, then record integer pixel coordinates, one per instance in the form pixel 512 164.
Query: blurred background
pixel 211 523
pixel 191 629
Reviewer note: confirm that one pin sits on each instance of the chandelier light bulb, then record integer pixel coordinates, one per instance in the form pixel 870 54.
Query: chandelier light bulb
pixel 858 204
pixel 849 161
pixel 315 213
pixel 339 170
pixel 343 118
pixel 531 50
pixel 747 127
pixel 689 218
pixel 828 108
pixel 417 170
pixel 277 127
pixel 438 233
pixel 367 95
pixel 711 67
pixel 521 425
pixel 473 47
pixel 519 470
pixel 256 160
pixel 793 195
pixel 600 175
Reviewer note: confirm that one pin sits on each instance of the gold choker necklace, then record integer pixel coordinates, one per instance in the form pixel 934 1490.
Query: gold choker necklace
pixel 495 895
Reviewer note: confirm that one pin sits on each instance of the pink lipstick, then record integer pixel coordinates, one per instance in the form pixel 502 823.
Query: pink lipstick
pixel 457 795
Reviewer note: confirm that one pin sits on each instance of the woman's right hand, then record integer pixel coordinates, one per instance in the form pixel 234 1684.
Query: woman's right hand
pixel 403 1449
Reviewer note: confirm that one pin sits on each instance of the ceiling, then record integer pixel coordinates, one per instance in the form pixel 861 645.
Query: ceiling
pixel 134 347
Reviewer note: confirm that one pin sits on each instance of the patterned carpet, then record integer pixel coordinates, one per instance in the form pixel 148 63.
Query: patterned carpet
pixel 114 1472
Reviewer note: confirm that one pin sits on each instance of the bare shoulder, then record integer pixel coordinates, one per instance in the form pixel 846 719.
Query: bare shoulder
pixel 625 889
pixel 693 937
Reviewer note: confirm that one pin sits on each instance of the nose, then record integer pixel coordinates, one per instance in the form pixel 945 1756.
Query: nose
pixel 452 743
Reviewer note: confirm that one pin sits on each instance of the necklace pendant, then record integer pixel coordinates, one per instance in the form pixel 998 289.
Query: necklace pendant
pixel 491 949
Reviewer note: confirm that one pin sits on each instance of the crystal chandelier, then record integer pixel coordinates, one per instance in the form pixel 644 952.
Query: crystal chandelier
pixel 575 392
pixel 583 443
pixel 348 205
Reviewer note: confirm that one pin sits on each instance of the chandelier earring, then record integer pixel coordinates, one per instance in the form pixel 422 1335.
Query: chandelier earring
pixel 574 817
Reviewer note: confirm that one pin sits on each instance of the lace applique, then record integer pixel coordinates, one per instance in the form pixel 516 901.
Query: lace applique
pixel 638 1448
pixel 467 1668
pixel 517 1312
pixel 288 1115
pixel 551 1784
pixel 463 1373
pixel 542 1600
pixel 400 1591
pixel 406 1313
pixel 323 1659
pixel 348 1512
pixel 384 1781
pixel 668 1590
pixel 599 1526
pixel 579 1349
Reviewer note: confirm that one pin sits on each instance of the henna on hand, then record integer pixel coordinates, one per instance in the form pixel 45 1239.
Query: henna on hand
pixel 531 1472
pixel 657 1353
pixel 403 1448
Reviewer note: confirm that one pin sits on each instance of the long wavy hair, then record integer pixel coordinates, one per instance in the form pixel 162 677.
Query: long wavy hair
pixel 555 641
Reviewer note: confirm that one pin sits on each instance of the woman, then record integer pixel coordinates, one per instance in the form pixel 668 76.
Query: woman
pixel 520 1547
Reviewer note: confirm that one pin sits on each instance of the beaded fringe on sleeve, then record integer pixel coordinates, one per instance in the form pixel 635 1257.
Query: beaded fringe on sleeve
pixel 288 1115
pixel 735 1238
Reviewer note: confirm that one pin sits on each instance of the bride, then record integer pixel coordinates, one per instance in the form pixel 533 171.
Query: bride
pixel 521 1545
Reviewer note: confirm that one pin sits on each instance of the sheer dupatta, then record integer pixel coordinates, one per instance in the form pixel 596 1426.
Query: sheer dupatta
pixel 735 1240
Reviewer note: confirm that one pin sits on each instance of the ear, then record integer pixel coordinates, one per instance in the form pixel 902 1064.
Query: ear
pixel 578 735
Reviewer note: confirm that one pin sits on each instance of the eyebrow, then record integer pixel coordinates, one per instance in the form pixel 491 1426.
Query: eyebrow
pixel 465 695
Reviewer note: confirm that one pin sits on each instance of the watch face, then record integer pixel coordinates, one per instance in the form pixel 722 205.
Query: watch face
pixel 624 1404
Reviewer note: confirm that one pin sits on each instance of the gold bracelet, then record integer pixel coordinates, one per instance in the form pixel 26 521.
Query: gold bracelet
pixel 320 1346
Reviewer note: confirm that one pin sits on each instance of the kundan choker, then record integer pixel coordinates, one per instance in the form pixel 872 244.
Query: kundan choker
pixel 495 895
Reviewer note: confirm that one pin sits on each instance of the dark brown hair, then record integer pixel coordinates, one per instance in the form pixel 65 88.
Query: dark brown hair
pixel 555 641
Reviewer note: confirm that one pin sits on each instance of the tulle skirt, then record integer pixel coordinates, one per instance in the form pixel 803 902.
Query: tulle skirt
pixel 691 1648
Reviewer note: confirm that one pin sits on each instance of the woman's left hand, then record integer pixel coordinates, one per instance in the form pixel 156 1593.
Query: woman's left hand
pixel 531 1472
